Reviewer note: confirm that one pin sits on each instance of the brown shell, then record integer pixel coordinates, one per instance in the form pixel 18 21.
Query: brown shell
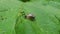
pixel 30 17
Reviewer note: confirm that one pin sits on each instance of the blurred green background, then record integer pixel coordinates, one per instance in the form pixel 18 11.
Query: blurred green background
pixel 47 15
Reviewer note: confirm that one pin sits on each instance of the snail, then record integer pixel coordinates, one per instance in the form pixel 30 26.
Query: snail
pixel 30 17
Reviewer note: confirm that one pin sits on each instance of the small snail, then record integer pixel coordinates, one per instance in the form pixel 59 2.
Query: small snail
pixel 30 17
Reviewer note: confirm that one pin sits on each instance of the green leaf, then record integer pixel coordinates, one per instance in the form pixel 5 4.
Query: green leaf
pixel 12 20
pixel 8 11
pixel 46 21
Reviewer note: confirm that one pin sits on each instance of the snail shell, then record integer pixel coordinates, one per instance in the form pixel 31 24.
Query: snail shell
pixel 30 17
